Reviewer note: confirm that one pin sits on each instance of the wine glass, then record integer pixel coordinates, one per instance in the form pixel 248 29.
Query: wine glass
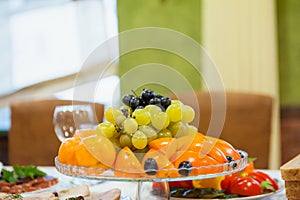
pixel 69 118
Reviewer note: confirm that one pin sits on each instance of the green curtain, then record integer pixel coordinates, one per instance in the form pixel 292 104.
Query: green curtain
pixel 289 51
pixel 178 15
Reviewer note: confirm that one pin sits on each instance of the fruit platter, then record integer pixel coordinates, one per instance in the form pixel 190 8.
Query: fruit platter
pixel 148 139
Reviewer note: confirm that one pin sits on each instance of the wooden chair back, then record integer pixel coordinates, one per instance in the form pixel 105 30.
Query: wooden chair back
pixel 248 121
pixel 31 139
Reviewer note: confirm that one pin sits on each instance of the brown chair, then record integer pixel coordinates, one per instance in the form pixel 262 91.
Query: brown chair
pixel 31 139
pixel 247 122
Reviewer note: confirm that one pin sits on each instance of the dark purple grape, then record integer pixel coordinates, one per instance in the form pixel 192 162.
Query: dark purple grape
pixel 125 111
pixel 147 95
pixel 242 155
pixel 159 96
pixel 185 168
pixel 150 166
pixel 126 99
pixel 165 102
pixel 229 158
pixel 155 101
pixel 142 102
pixel 134 102
pixel 139 107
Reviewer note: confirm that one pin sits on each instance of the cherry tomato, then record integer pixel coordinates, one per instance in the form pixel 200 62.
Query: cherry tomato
pixel 261 176
pixel 246 186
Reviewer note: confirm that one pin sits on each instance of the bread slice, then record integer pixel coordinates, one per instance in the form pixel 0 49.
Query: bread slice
pixel 41 196
pixel 82 190
pixel 293 189
pixel 290 171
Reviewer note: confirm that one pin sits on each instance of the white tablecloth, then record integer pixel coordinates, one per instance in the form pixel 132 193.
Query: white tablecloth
pixel 129 189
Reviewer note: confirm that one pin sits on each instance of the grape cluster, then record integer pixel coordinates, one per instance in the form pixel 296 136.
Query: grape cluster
pixel 144 118
pixel 147 97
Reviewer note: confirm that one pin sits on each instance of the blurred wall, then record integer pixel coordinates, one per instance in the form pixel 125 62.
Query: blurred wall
pixel 172 14
pixel 289 51
pixel 241 38
pixel 289 76
pixel 246 40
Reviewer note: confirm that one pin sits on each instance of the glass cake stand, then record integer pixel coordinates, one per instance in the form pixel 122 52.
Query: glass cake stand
pixel 108 174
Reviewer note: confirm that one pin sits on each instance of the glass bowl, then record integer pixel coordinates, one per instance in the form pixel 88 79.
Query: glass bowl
pixel 108 174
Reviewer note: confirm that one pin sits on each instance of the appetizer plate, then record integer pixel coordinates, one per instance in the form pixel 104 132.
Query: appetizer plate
pixel 50 189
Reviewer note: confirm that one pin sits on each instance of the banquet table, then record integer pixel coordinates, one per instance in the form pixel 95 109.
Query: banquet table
pixel 129 189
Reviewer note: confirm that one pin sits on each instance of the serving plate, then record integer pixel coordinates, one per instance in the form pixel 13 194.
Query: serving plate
pixel 108 174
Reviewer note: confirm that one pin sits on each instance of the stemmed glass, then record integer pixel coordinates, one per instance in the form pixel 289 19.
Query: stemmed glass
pixel 69 118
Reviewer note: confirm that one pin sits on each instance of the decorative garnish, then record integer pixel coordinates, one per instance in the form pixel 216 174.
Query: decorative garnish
pixel 251 159
pixel 76 198
pixel 267 186
pixel 203 193
pixel 20 172
pixel 13 196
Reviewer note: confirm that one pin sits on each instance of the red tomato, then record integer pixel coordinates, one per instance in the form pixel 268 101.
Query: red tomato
pixel 184 184
pixel 229 181
pixel 246 186
pixel 158 185
pixel 261 176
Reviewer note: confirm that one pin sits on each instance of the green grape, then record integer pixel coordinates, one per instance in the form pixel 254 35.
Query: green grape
pixel 165 133
pixel 125 140
pixel 176 102
pixel 174 112
pixel 139 140
pixel 126 111
pixel 142 116
pixel 130 125
pixel 160 120
pixel 119 120
pixel 192 130
pixel 179 129
pixel 153 109
pixel 149 132
pixel 106 129
pixel 114 115
pixel 188 114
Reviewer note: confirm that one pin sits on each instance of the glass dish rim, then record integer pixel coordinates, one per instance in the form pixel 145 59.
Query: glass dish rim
pixel 108 174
